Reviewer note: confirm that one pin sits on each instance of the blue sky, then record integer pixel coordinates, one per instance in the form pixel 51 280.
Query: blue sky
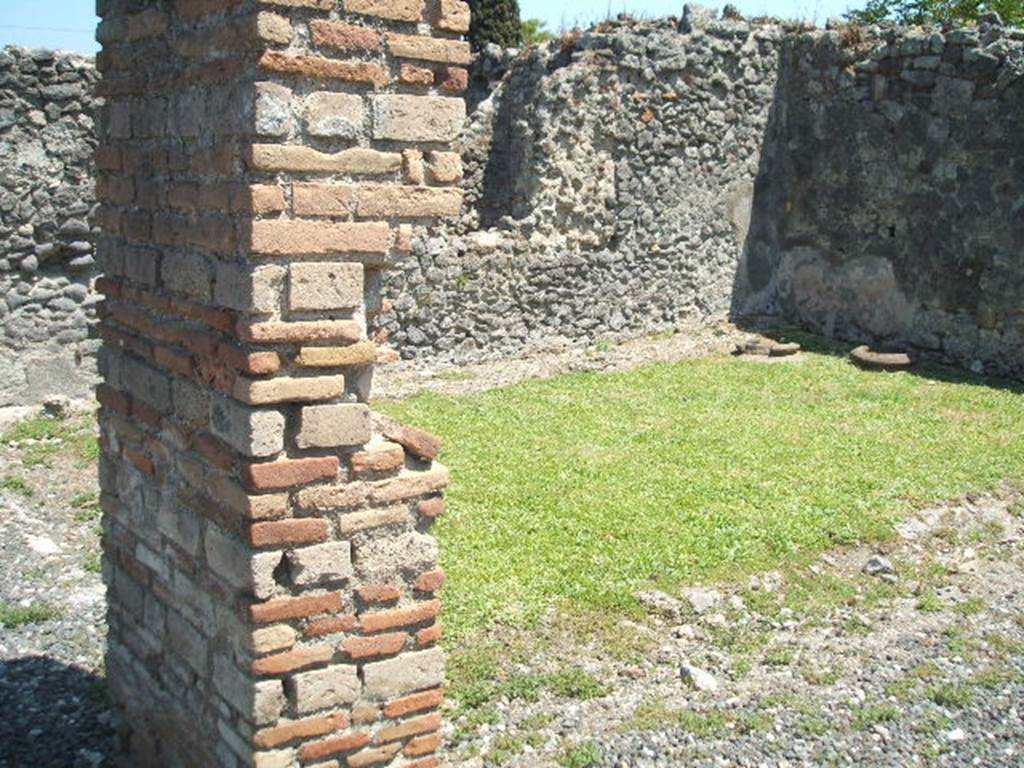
pixel 69 24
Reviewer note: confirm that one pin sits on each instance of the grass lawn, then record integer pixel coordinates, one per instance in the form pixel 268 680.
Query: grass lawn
pixel 579 490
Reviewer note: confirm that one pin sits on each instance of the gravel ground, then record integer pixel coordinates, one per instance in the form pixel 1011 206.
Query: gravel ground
pixel 919 661
pixel 406 378
pixel 52 602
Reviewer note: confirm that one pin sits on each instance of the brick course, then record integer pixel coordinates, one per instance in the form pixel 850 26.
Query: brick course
pixel 251 497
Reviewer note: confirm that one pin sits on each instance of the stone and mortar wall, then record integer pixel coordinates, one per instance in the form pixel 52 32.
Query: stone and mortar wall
pixel 47 266
pixel 646 175
pixel 893 209
pixel 609 182
pixel 272 580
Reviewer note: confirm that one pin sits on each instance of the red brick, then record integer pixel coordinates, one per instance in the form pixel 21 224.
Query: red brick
pixel 431 508
pixel 416 702
pixel 317 67
pixel 256 363
pixel 213 450
pixel 110 398
pixel 308 530
pixel 431 581
pixel 429 762
pixel 400 617
pixel 140 460
pixel 423 724
pixel 417 441
pixel 288 472
pixel 310 727
pixel 344 37
pixel 456 80
pixel 379 593
pixel 329 626
pixel 327 747
pixel 429 635
pixel 381 459
pixel 290 661
pixel 423 745
pixel 378 645
pixel 172 360
pixel 286 608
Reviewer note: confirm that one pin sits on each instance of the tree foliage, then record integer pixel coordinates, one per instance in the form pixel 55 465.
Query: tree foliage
pixel 535 31
pixel 495 21
pixel 953 12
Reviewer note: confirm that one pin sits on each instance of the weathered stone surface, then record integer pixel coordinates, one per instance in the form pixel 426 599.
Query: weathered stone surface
pixel 333 686
pixel 252 431
pixel 320 564
pixel 405 674
pixel 334 115
pixel 329 426
pixel 417 118
pixel 325 286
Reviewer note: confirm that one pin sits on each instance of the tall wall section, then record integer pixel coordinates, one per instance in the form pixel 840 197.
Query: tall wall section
pixel 272 580
pixel 897 193
pixel 47 264
pixel 609 179
pixel 865 183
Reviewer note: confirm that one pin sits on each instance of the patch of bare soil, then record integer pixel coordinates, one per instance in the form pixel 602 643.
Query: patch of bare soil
pixel 407 378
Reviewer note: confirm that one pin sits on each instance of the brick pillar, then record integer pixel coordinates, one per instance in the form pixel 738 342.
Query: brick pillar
pixel 270 572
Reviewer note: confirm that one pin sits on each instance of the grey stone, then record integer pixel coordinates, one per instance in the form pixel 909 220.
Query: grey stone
pixel 698 678
pixel 255 432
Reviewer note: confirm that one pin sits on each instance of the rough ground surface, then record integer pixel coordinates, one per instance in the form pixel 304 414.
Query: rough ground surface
pixel 51 669
pixel 832 666
pixel 409 377
pixel 827 666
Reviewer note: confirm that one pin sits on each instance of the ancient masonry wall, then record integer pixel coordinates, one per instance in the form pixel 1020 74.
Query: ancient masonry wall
pixel 47 265
pixel 272 580
pixel 865 183
pixel 893 204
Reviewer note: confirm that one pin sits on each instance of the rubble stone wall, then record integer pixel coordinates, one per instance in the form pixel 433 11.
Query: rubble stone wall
pixel 893 209
pixel 272 581
pixel 865 183
pixel 47 264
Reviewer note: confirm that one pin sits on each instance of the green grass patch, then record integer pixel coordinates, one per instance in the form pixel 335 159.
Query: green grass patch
pixel 87 507
pixel 44 437
pixel 579 756
pixel 656 714
pixel 579 490
pixel 16 485
pixel 12 616
pixel 950 695
pixel 873 714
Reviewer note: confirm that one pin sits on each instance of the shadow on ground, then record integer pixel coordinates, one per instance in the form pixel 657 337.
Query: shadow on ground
pixel 54 716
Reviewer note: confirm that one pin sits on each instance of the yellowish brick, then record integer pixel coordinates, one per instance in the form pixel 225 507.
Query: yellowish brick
pixel 293 238
pixel 379 201
pixel 298 159
pixel 444 167
pixel 399 10
pixel 453 15
pixel 434 49
pixel 363 353
pixel 322 286
pixel 284 389
pixel 417 118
